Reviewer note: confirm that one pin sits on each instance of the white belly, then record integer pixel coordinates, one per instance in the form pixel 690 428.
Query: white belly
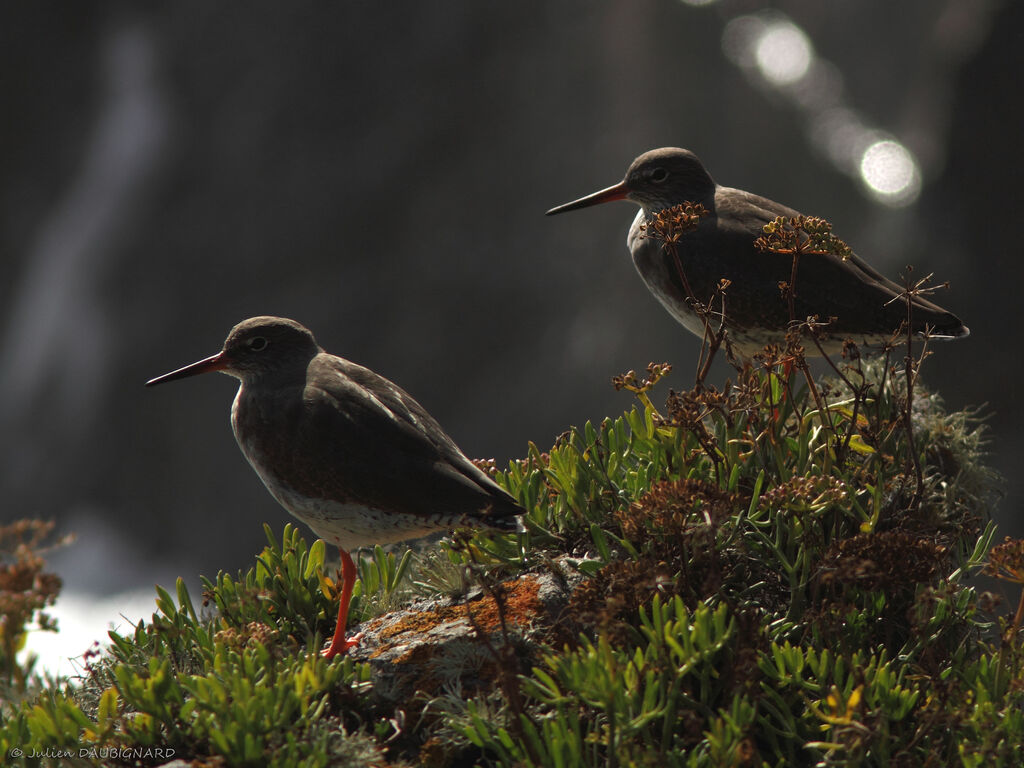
pixel 350 526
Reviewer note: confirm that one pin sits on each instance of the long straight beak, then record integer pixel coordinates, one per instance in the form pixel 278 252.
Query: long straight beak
pixel 218 362
pixel 615 192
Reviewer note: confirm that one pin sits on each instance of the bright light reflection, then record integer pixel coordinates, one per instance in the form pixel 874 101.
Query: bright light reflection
pixel 772 50
pixel 891 172
pixel 783 53
pixel 698 2
pixel 843 137
pixel 739 39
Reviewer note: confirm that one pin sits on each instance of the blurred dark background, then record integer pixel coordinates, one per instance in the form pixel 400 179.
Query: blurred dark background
pixel 379 172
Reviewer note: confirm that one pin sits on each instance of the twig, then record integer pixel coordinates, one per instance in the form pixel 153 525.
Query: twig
pixel 909 364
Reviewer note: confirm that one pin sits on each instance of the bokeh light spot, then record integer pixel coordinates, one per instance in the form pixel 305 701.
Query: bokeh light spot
pixel 891 172
pixel 739 39
pixel 783 53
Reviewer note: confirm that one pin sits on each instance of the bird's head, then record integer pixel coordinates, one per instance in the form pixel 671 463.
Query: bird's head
pixel 656 180
pixel 258 349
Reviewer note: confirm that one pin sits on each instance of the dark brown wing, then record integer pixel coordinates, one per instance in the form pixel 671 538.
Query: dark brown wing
pixel 388 452
pixel 827 285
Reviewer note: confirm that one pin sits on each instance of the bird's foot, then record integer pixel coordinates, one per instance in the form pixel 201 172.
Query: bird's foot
pixel 341 646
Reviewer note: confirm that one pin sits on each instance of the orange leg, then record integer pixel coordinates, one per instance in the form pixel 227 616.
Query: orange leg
pixel 339 644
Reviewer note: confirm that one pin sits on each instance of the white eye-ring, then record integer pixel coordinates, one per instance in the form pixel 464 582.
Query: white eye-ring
pixel 257 343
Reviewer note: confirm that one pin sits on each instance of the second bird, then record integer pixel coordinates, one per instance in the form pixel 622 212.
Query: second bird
pixel 860 299
pixel 346 451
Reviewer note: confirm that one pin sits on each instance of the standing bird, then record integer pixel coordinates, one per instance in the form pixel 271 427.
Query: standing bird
pixel 855 300
pixel 346 451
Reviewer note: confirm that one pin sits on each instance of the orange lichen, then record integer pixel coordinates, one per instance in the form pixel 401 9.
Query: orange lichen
pixel 428 649
pixel 521 606
pixel 521 600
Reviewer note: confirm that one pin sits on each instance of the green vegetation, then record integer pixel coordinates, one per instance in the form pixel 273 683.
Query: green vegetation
pixel 774 573
pixel 763 584
pixel 769 588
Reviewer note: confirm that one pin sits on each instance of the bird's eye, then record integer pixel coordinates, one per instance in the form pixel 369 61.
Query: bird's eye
pixel 658 175
pixel 257 343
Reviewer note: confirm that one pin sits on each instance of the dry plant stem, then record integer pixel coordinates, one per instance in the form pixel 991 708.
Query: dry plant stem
pixel 800 361
pixel 772 405
pixel 824 415
pixel 787 383
pixel 828 359
pixel 707 443
pixel 708 348
pixel 711 341
pixel 1018 617
pixel 858 396
pixel 791 293
pixel 671 248
pixel 911 289
pixel 886 364
pixel 909 364
pixel 915 461
pixel 668 226
pixel 504 657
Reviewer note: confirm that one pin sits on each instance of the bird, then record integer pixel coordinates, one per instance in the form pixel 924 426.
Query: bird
pixel 345 450
pixel 851 300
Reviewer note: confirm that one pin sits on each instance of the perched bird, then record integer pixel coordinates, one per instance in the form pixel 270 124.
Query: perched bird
pixel 853 299
pixel 343 449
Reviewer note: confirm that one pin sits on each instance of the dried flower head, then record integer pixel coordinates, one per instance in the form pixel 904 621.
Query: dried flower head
pixel 889 560
pixel 801 235
pixel 804 494
pixel 672 223
pixel 633 383
pixel 1006 561
pixel 25 587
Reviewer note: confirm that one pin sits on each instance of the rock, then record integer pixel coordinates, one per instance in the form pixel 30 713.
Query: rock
pixel 459 643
